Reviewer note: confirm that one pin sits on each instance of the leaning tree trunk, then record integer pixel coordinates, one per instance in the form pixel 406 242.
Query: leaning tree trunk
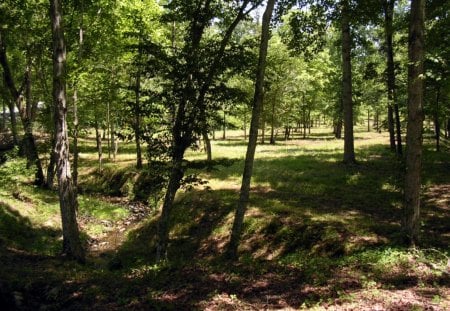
pixel 253 137
pixel 349 149
pixel 415 121
pixel 72 246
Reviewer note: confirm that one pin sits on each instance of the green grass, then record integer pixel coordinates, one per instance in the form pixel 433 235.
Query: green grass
pixel 312 223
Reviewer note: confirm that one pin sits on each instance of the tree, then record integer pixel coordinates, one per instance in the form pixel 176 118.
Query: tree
pixel 415 121
pixel 67 195
pixel 192 79
pixel 393 109
pixel 236 231
pixel 349 149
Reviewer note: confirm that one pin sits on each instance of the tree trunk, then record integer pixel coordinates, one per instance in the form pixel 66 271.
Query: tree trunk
pixel 398 130
pixel 415 121
pixel 388 7
pixel 3 126
pixel 98 139
pixel 447 128
pixel 437 125
pixel 29 141
pixel 164 221
pixel 137 121
pixel 207 142
pixel 272 124
pixel 368 120
pixel 224 134
pixel 257 107
pixel 391 127
pixel 108 128
pixel 67 196
pixel 75 139
pixel 13 119
pixel 349 150
pixel 51 165
pixel 245 125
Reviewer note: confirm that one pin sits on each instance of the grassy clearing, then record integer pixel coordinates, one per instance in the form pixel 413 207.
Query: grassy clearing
pixel 317 234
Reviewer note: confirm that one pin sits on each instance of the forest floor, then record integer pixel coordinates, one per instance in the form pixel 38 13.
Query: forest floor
pixel 317 236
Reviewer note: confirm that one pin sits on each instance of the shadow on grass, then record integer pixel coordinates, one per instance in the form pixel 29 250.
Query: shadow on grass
pixel 18 232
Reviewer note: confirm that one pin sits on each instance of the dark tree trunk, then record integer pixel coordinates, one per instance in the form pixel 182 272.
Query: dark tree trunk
pixel 27 113
pixel 245 125
pixel 437 125
pixel 13 119
pixel 272 124
pixel 391 128
pixel 3 126
pixel 388 7
pixel 224 133
pixel 415 121
pixel 51 165
pixel 29 141
pixel 368 120
pixel 236 232
pixel 137 114
pixel 98 139
pixel 447 128
pixel 67 195
pixel 75 139
pixel 339 123
pixel 108 128
pixel 349 150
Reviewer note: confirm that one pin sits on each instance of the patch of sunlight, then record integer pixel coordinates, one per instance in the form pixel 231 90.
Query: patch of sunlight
pixel 388 187
pixel 354 179
pixel 231 183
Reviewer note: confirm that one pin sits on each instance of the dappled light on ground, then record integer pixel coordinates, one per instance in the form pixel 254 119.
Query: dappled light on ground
pixel 317 234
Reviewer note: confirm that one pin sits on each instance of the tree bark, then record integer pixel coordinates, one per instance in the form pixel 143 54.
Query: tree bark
pixel 272 124
pixel 236 232
pixel 224 132
pixel 75 139
pixel 415 121
pixel 388 7
pixel 137 120
pixel 437 125
pixel 3 126
pixel 349 150
pixel 51 165
pixel 98 140
pixel 207 142
pixel 72 246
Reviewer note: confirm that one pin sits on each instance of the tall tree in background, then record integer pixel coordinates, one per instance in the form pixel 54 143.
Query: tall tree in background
pixel 388 9
pixel 349 149
pixel 253 136
pixel 67 195
pixel 27 112
pixel 415 121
